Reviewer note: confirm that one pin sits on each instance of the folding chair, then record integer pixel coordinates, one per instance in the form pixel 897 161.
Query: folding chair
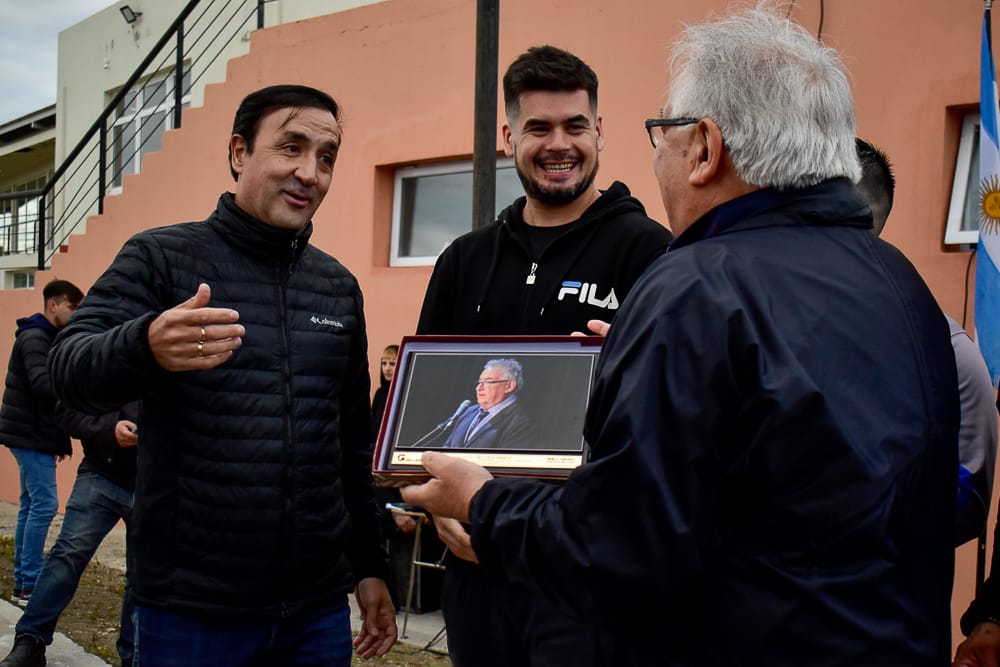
pixel 420 518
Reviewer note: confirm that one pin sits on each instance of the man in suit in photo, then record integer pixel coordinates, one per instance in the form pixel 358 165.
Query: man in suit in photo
pixel 498 420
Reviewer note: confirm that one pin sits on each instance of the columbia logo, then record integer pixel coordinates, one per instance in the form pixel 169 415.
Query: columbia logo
pixel 329 323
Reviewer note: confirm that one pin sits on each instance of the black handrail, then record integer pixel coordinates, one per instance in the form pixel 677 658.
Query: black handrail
pixel 120 95
pixel 173 36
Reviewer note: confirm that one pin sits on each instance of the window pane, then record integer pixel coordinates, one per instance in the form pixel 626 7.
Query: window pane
pixel 970 216
pixel 436 209
pixel 125 152
pixel 128 105
pixel 154 93
pixel 508 187
pixel 152 132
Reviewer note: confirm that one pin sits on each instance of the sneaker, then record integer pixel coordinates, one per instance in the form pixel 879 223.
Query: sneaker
pixel 15 596
pixel 27 652
pixel 23 600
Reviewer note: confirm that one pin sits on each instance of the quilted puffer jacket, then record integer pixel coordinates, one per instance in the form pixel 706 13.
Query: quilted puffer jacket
pixel 26 418
pixel 253 491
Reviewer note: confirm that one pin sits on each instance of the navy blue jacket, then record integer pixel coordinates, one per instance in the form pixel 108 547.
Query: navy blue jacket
pixel 774 430
pixel 254 494
pixel 27 417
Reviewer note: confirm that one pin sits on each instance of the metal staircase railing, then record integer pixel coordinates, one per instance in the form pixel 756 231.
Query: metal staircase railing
pixel 148 103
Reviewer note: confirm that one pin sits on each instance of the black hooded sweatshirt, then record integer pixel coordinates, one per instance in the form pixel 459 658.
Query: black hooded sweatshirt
pixel 510 278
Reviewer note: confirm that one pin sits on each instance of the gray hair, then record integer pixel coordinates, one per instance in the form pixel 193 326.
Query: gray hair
pixel 781 99
pixel 511 368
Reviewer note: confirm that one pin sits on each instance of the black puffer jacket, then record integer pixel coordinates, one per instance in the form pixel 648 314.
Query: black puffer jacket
pixel 101 452
pixel 254 491
pixel 26 418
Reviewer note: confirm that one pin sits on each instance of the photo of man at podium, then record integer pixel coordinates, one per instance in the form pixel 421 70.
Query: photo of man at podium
pixel 497 420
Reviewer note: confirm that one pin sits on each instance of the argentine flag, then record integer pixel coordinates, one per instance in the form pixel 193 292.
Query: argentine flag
pixel 988 256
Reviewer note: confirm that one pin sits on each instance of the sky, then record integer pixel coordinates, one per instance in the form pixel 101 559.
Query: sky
pixel 29 38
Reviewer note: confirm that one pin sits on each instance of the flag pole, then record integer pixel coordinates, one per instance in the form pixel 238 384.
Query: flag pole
pixel 981 541
pixel 989 27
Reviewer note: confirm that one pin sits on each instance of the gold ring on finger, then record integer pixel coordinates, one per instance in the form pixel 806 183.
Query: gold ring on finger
pixel 201 348
pixel 203 334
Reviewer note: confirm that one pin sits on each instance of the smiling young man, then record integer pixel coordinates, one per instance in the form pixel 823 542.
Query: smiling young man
pixel 254 509
pixel 562 255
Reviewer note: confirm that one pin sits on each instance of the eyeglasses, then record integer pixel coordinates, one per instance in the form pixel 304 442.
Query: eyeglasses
pixel 665 122
pixel 485 382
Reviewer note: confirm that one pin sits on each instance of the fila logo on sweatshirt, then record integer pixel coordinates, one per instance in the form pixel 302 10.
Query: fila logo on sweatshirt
pixel 587 293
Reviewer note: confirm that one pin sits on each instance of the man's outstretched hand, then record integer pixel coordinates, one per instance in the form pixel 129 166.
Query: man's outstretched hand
pixel 191 336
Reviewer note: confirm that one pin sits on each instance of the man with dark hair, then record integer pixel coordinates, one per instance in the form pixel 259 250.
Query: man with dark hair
pixel 101 497
pixel 29 429
pixel 877 184
pixel 977 435
pixel 254 509
pixel 755 494
pixel 563 255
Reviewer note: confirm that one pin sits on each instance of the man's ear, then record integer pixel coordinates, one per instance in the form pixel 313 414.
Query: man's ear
pixel 707 147
pixel 599 126
pixel 508 146
pixel 237 152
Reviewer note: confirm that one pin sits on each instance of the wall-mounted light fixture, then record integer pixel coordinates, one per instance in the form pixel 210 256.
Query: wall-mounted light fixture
pixel 129 15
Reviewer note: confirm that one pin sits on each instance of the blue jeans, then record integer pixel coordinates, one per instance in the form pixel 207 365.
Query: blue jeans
pixel 94 508
pixel 317 639
pixel 38 505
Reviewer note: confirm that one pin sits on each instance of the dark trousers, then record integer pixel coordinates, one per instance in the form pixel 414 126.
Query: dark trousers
pixel 494 623
pixel 321 638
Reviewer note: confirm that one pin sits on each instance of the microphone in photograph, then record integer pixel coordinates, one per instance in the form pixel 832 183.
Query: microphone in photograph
pixel 451 420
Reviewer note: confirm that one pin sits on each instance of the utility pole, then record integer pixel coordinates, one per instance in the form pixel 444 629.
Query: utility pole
pixel 484 156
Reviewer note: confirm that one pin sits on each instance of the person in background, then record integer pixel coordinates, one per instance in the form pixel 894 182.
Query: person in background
pixel 28 427
pixel 774 419
pixel 387 367
pixel 977 435
pixel 101 497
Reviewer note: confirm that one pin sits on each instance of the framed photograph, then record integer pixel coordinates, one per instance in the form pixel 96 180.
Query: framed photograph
pixel 513 404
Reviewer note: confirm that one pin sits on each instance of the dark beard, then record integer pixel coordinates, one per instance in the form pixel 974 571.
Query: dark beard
pixel 555 196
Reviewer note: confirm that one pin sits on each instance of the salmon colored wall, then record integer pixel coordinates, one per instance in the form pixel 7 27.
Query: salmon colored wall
pixel 403 71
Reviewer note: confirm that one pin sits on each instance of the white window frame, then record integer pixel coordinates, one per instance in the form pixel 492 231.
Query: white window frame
pixel 136 119
pixel 953 232
pixel 27 275
pixel 456 167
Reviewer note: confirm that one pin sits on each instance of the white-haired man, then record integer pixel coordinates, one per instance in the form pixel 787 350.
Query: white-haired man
pixel 757 495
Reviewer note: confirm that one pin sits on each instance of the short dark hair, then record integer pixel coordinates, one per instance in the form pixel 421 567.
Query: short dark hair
pixel 258 104
pixel 877 184
pixel 547 68
pixel 61 289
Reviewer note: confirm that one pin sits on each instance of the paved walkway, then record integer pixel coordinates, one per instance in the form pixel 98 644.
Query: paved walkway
pixel 421 628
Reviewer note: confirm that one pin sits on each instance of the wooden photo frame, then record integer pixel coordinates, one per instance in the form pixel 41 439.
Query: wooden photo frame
pixel 536 389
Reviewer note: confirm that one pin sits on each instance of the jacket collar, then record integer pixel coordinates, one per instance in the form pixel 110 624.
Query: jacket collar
pixel 835 202
pixel 255 238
